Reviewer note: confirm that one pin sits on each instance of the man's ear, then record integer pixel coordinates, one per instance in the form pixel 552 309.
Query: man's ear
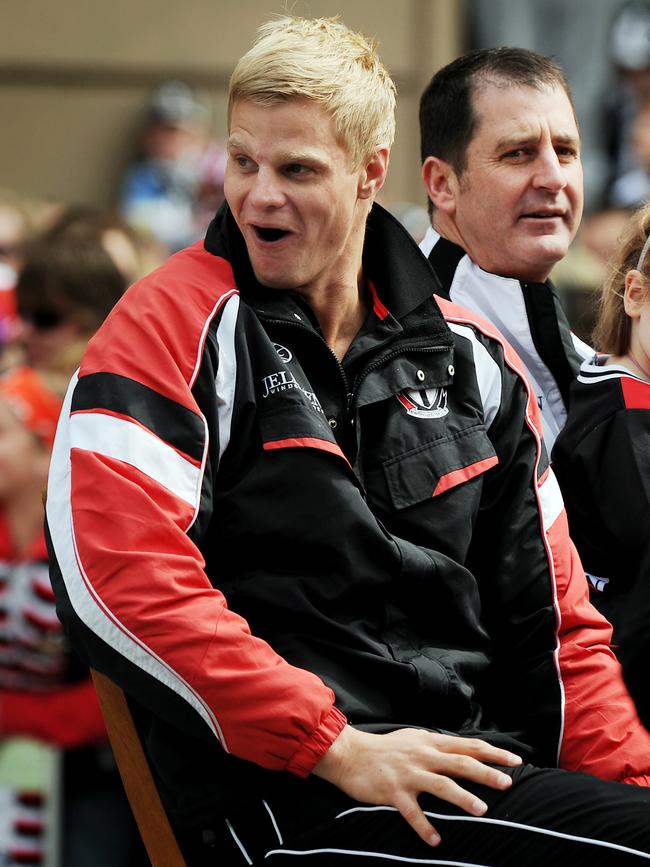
pixel 636 293
pixel 372 178
pixel 441 184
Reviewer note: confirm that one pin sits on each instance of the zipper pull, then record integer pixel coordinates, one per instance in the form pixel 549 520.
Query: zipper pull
pixel 348 406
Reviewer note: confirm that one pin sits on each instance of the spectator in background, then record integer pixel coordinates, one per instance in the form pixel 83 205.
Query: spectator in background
pixel 629 47
pixel 71 277
pixel 45 693
pixel 602 457
pixel 18 220
pixel 500 150
pixel 36 694
pixel 632 189
pixel 14 226
pixel 581 274
pixel 600 234
pixel 176 183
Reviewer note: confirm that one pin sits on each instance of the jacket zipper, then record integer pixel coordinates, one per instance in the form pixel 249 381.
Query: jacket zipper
pixel 351 392
pixel 343 375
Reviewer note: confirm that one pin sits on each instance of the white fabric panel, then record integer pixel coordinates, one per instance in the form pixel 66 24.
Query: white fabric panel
pixel 500 300
pixel 551 500
pixel 85 601
pixel 601 372
pixel 488 374
pixel 128 442
pixel 227 373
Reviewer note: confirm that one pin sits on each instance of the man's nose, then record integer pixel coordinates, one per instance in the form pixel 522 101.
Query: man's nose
pixel 549 172
pixel 267 190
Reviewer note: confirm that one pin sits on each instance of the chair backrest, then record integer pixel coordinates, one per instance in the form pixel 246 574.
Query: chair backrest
pixel 150 815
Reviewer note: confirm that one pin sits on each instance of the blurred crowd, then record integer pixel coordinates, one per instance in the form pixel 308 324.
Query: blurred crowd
pixel 624 128
pixel 62 268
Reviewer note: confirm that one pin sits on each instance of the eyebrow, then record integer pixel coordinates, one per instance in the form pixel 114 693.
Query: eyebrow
pixel 303 157
pixel 235 143
pixel 514 141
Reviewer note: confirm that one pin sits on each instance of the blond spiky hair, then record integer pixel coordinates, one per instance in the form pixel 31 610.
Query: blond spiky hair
pixel 323 60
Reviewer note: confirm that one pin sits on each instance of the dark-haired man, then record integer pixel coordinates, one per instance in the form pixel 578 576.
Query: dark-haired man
pixel 501 164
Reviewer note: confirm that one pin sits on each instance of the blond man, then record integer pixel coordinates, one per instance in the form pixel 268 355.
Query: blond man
pixel 328 563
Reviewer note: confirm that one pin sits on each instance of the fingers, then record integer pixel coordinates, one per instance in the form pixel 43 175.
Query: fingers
pixel 446 789
pixel 469 768
pixel 411 811
pixel 394 768
pixel 476 748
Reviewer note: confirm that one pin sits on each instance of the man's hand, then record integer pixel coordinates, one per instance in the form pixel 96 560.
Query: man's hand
pixel 395 768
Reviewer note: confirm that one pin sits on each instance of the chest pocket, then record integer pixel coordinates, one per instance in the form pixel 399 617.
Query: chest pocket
pixel 435 467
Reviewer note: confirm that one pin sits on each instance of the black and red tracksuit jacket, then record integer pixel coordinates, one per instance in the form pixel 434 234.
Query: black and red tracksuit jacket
pixel 602 458
pixel 259 542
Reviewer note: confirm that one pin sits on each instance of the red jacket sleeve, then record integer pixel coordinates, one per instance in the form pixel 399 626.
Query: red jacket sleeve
pixel 602 734
pixel 132 575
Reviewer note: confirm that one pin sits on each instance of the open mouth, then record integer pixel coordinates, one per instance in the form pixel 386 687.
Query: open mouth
pixel 543 215
pixel 268 234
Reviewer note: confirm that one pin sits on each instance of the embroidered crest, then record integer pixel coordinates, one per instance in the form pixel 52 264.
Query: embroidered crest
pixel 424 402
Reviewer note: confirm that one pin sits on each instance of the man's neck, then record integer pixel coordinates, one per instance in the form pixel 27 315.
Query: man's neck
pixel 340 302
pixel 447 230
pixel 341 312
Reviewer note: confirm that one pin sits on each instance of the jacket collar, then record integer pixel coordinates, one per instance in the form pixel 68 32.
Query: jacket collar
pixel 444 257
pixel 402 277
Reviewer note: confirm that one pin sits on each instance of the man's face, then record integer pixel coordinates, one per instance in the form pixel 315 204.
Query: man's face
pixel 292 194
pixel 517 205
pixel 44 334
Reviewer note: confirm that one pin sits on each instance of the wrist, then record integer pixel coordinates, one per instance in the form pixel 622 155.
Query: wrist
pixel 330 766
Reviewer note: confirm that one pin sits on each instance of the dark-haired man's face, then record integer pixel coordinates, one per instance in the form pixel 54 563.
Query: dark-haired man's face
pixel 44 335
pixel 518 203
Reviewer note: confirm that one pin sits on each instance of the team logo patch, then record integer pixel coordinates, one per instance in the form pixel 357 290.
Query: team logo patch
pixel 424 402
pixel 283 352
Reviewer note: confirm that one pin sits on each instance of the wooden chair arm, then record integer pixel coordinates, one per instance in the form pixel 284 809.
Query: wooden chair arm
pixel 150 815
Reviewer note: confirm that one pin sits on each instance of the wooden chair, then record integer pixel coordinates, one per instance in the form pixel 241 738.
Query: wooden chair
pixel 150 816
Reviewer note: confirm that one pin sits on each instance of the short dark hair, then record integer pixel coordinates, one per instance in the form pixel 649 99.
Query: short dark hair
pixel 447 118
pixel 68 271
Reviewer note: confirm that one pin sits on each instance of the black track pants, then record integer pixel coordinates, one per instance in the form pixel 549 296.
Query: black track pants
pixel 548 817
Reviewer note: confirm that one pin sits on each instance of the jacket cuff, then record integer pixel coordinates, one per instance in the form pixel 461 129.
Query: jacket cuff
pixel 312 750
